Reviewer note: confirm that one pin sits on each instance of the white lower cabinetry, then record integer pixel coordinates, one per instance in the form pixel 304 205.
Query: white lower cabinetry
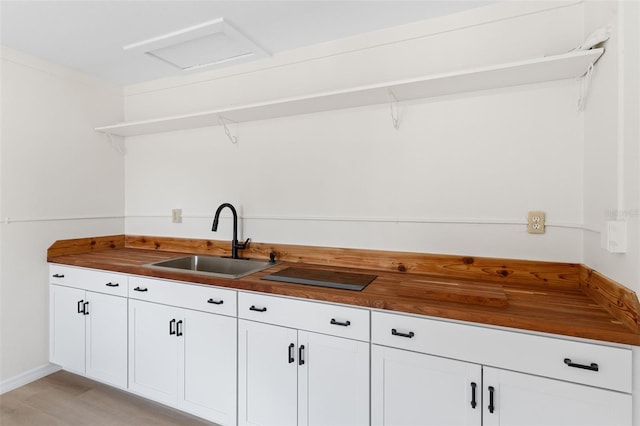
pixel 289 376
pixel 523 399
pixel 409 388
pixel 182 357
pixel 88 329
pixel 252 359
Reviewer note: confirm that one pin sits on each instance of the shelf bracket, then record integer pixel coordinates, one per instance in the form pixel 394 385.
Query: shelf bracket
pixel 394 107
pixel 224 122
pixel 118 145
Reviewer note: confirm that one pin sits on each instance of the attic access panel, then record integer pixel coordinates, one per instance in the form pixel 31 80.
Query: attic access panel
pixel 204 45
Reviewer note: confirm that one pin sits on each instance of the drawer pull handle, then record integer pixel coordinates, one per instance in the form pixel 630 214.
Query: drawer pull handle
pixel 491 406
pixel 253 308
pixel 290 353
pixel 215 302
pixel 140 289
pixel 408 335
pixel 58 275
pixel 473 395
pixel 85 308
pixel 179 328
pixel 112 284
pixel 301 355
pixel 592 367
pixel 81 306
pixel 172 325
pixel 344 324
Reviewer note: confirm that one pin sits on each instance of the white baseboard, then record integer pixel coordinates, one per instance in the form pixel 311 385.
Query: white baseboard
pixel 27 377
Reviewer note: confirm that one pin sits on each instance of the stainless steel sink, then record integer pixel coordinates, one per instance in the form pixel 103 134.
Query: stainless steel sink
pixel 212 265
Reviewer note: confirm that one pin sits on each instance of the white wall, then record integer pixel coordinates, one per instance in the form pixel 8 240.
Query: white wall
pixel 612 149
pixel 59 179
pixel 458 176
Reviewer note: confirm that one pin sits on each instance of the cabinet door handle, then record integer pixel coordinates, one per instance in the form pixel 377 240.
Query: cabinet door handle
pixel 473 395
pixel 344 324
pixel 592 367
pixel 85 308
pixel 141 289
pixel 172 327
pixel 58 275
pixel 215 302
pixel 179 328
pixel 396 333
pixel 290 353
pixel 81 306
pixel 491 406
pixel 301 355
pixel 253 308
pixel 112 284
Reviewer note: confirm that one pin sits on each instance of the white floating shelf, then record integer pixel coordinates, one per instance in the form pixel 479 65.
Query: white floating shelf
pixel 558 67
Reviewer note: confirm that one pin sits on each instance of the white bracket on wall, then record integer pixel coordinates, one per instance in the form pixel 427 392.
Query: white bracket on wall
pixel 118 144
pixel 224 122
pixel 394 107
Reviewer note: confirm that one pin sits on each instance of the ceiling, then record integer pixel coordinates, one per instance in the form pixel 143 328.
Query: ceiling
pixel 89 35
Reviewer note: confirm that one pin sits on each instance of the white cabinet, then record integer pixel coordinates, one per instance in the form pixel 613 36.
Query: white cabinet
pixel 88 329
pixel 182 357
pixel 267 374
pixel 409 388
pixel 289 376
pixel 511 398
pixel 67 328
pixel 412 386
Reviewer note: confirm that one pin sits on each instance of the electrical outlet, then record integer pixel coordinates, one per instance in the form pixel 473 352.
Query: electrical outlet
pixel 535 223
pixel 176 216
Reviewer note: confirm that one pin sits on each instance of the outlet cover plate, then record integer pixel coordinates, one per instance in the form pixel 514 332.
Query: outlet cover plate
pixel 176 216
pixel 535 222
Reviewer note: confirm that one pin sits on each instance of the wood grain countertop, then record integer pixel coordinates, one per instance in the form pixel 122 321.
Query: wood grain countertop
pixel 564 309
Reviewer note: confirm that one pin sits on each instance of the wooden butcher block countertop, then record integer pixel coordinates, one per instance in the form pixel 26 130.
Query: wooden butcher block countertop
pixel 579 303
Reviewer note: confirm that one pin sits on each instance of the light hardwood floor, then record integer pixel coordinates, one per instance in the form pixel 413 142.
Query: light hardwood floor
pixel 64 398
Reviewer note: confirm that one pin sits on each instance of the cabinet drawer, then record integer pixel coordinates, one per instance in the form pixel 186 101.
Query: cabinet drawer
pixel 191 296
pixel 342 321
pixel 545 356
pixel 89 279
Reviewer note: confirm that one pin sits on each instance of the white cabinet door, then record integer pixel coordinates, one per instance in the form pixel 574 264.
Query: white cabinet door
pixel 333 380
pixel 267 374
pixel 106 338
pixel 523 399
pixel 67 328
pixel 409 388
pixel 153 351
pixel 208 366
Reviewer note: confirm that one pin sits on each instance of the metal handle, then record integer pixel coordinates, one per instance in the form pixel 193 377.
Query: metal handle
pixel 172 328
pixel 473 395
pixel 81 306
pixel 58 275
pixel 179 328
pixel 491 406
pixel 112 284
pixel 301 355
pixel 141 289
pixel 396 333
pixel 85 308
pixel 290 353
pixel 592 367
pixel 253 308
pixel 344 324
pixel 215 302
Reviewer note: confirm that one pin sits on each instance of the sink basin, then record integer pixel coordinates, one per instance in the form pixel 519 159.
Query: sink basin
pixel 224 267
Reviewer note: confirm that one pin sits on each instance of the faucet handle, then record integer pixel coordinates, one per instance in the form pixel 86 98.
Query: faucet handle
pixel 243 246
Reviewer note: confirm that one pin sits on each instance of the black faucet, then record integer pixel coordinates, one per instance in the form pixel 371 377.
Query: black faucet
pixel 235 245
